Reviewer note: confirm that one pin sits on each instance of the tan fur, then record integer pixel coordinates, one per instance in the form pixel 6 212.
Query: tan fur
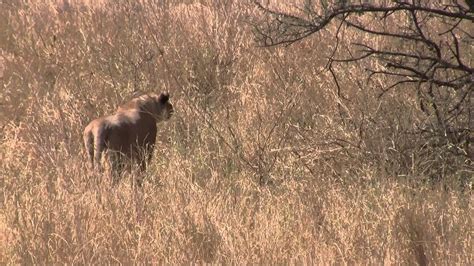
pixel 128 134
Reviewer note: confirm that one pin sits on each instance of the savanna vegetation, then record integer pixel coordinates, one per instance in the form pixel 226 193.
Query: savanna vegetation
pixel 288 144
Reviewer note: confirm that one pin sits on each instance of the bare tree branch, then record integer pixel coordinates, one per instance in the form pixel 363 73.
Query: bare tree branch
pixel 435 63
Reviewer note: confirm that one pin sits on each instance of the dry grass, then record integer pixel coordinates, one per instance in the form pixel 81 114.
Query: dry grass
pixel 261 163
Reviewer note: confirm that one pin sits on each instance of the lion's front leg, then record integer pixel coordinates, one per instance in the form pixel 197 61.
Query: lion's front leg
pixel 144 160
pixel 116 162
pixel 145 157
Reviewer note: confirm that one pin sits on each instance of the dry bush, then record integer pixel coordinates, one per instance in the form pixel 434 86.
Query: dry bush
pixel 261 163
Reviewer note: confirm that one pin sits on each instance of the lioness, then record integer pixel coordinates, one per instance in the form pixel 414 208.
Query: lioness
pixel 128 134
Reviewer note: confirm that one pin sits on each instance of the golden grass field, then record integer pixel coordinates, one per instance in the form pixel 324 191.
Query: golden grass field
pixel 261 163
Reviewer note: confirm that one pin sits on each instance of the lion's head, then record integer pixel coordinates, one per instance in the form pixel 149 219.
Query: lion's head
pixel 163 109
pixel 156 105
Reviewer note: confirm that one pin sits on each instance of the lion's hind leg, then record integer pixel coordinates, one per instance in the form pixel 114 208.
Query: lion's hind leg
pixel 99 147
pixel 89 145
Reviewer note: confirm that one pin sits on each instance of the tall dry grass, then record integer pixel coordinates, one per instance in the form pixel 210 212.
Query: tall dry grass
pixel 262 162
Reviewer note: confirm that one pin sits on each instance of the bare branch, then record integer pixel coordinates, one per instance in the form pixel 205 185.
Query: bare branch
pixel 303 28
pixel 437 66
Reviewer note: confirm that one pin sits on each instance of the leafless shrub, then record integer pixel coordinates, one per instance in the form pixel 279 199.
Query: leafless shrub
pixel 422 48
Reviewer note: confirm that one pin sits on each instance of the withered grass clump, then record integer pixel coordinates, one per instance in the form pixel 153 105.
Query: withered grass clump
pixel 261 163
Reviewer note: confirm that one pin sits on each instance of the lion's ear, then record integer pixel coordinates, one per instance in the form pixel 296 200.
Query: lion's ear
pixel 164 97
